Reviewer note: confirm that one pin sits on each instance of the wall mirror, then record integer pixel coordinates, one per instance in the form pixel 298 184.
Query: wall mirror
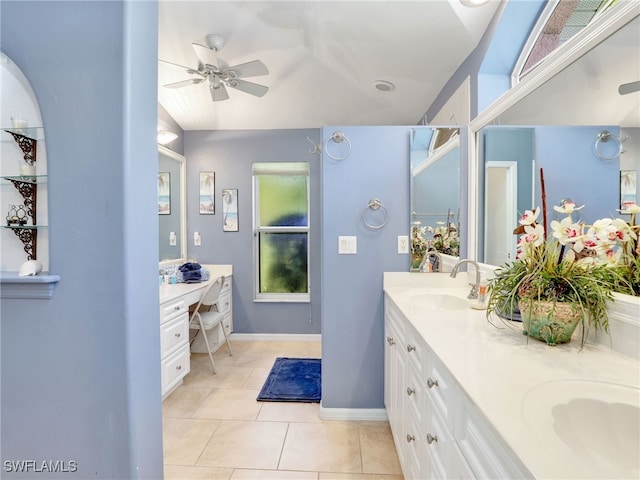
pixel 435 193
pixel 172 218
pixel 556 127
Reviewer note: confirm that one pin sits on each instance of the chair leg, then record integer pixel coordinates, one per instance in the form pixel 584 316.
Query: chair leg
pixel 206 341
pixel 226 338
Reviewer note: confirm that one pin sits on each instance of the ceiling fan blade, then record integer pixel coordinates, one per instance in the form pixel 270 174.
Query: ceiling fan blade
pixel 218 92
pixel 250 69
pixel 205 55
pixel 248 87
pixel 184 83
pixel 173 64
pixel 631 87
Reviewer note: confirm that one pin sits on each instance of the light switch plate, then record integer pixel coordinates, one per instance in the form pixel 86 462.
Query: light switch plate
pixel 172 239
pixel 197 240
pixel 403 244
pixel 347 245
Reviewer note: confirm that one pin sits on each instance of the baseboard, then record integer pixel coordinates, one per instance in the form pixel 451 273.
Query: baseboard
pixel 275 337
pixel 366 414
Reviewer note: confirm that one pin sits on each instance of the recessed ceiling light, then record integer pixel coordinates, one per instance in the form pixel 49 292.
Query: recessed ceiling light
pixel 384 86
pixel 473 3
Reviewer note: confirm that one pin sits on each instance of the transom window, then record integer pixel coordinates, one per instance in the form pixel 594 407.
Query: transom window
pixel 281 231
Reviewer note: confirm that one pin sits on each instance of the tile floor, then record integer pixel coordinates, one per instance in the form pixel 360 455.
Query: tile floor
pixel 215 429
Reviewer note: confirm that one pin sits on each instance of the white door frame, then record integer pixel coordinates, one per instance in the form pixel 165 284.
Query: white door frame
pixel 510 201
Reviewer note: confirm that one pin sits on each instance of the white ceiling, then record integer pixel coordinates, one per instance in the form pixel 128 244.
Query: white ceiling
pixel 323 57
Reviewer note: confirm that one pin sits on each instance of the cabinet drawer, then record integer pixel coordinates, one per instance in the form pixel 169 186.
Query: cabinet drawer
pixel 226 285
pixel 441 390
pixel 415 348
pixel 172 309
pixel 224 304
pixel 173 333
pixel 175 367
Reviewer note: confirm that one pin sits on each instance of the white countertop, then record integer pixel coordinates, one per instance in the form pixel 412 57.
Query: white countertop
pixel 171 292
pixel 497 367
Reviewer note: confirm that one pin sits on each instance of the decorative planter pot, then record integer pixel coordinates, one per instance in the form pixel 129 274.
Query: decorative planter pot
pixel 551 322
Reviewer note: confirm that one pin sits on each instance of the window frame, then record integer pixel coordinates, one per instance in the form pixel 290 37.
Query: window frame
pixel 287 169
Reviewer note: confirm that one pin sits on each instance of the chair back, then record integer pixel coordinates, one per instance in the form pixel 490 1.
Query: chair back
pixel 211 295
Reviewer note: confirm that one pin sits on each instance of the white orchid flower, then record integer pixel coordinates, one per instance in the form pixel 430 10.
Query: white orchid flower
pixel 567 207
pixel 529 217
pixel 566 231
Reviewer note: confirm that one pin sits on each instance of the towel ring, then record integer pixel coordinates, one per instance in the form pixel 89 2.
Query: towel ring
pixel 337 137
pixel 375 204
pixel 603 137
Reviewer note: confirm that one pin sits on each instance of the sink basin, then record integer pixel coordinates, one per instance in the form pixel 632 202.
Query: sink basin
pixel 439 301
pixel 595 425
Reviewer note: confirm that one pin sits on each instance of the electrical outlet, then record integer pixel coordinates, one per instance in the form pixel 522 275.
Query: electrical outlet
pixel 172 239
pixel 197 239
pixel 403 244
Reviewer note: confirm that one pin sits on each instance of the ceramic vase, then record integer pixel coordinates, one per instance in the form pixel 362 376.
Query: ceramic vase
pixel 551 322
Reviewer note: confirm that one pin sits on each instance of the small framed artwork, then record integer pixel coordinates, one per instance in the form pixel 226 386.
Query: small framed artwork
pixel 230 210
pixel 627 188
pixel 207 193
pixel 164 193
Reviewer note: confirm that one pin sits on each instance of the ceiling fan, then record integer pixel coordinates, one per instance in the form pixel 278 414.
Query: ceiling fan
pixel 218 74
pixel 627 88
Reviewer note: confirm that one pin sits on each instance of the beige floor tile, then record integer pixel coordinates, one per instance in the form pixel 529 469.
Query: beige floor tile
pixel 185 438
pixel 225 377
pixel 239 474
pixel 377 449
pixel 251 445
pixel 357 476
pixel 322 447
pixel 257 378
pixel 183 402
pixel 289 412
pixel 174 472
pixel 229 404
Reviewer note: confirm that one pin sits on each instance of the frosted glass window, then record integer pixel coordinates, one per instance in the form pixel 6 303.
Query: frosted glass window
pixel 281 218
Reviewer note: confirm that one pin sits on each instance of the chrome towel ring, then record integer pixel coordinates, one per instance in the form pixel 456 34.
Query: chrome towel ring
pixel 375 204
pixel 604 137
pixel 337 137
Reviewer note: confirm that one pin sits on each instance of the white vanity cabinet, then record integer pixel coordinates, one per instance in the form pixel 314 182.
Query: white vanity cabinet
pixel 437 431
pixel 174 343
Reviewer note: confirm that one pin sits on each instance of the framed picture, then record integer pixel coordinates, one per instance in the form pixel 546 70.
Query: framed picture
pixel 230 210
pixel 164 193
pixel 207 193
pixel 627 188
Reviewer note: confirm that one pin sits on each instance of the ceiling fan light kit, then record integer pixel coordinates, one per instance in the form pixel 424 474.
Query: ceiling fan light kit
pixel 220 76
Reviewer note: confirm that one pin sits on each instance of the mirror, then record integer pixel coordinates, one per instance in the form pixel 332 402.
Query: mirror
pixel 557 127
pixel 435 193
pixel 172 218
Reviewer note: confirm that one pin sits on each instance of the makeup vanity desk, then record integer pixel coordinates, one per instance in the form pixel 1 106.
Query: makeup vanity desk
pixel 175 301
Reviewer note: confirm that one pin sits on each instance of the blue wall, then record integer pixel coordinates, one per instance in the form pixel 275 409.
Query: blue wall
pixel 352 298
pixel 572 170
pixel 231 154
pixel 80 371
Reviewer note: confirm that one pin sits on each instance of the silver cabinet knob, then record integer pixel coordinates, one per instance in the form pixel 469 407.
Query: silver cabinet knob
pixel 179 367
pixel 432 383
pixel 410 391
pixel 391 341
pixel 410 438
pixel 176 308
pixel 431 438
pixel 178 335
pixel 410 348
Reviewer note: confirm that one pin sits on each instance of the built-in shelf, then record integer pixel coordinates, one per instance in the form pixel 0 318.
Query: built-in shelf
pixel 40 286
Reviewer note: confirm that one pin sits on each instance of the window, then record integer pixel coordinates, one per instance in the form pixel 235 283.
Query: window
pixel 281 231
pixel 559 21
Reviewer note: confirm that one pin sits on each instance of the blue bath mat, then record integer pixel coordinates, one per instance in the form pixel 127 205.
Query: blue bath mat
pixel 292 380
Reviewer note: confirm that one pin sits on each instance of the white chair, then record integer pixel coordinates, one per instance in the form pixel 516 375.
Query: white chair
pixel 207 315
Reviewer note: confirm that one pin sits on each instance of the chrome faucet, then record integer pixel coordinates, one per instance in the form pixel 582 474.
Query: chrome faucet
pixel 474 286
pixel 427 259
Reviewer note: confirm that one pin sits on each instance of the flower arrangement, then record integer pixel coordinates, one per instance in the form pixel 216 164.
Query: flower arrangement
pixel 442 238
pixel 578 264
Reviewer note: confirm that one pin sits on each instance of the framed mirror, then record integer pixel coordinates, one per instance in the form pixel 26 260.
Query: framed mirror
pixel 557 126
pixel 172 217
pixel 435 195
